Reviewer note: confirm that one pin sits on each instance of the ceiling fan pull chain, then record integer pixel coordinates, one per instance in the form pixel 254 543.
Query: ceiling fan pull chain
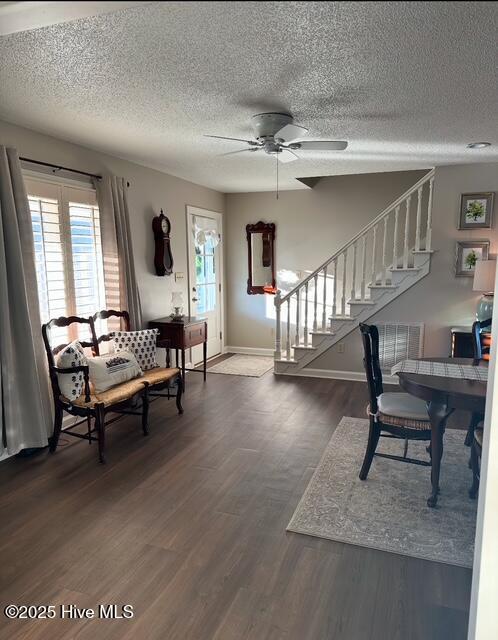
pixel 276 158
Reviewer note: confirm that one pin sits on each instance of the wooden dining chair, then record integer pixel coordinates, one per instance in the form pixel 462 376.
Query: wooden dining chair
pixel 91 407
pixel 391 414
pixel 475 462
pixel 481 342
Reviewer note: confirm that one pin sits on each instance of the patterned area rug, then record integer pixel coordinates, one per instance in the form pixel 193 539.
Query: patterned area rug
pixel 388 511
pixel 240 365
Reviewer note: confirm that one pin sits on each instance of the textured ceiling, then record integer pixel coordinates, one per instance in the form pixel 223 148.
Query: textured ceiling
pixel 407 83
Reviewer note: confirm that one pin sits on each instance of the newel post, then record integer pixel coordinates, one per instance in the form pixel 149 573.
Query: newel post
pixel 278 326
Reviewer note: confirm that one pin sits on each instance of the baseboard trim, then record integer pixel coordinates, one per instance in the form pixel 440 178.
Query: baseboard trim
pixel 249 351
pixel 351 376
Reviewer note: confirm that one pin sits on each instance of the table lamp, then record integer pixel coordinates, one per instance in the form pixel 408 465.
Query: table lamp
pixel 177 303
pixel 484 280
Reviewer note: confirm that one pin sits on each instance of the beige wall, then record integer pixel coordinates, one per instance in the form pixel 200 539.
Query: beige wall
pixel 440 300
pixel 310 226
pixel 149 191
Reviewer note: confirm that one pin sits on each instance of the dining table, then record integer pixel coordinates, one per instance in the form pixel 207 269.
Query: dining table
pixel 444 395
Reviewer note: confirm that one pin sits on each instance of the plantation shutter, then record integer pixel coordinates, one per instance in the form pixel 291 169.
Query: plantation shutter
pixel 68 253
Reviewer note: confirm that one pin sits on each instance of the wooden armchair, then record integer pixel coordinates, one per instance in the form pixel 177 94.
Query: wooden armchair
pixel 159 379
pixel 392 415
pixel 90 406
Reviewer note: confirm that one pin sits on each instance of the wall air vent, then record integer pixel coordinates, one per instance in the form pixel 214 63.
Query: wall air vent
pixel 400 341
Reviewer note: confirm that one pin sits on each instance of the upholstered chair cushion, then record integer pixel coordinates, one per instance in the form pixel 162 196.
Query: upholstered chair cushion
pixel 141 343
pixel 112 369
pixel 404 410
pixel 403 405
pixel 71 385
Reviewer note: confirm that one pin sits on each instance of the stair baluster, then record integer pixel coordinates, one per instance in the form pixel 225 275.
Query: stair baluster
pixel 384 250
pixel 363 266
pixel 306 315
pixel 343 299
pixel 334 295
pixel 374 242
pixel 395 245
pixel 288 343
pixel 419 216
pixel 278 327
pixel 428 236
pixel 353 285
pixel 407 232
pixel 324 310
pixel 315 302
pixel 297 339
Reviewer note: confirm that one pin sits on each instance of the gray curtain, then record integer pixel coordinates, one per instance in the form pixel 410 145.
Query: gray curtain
pixel 25 397
pixel 119 266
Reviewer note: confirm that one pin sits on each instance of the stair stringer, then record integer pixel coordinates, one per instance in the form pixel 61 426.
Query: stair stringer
pixel 322 341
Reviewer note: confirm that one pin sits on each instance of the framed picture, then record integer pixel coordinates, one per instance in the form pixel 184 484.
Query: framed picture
pixel 468 253
pixel 476 210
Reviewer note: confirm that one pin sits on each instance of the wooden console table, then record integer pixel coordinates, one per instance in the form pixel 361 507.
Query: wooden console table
pixel 181 335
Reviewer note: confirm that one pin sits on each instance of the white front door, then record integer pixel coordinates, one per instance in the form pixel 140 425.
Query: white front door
pixel 205 276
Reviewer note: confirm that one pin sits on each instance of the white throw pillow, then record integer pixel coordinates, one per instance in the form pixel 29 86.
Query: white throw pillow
pixel 72 385
pixel 141 343
pixel 112 369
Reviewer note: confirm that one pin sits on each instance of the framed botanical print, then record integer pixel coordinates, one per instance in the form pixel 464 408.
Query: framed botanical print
pixel 468 253
pixel 476 210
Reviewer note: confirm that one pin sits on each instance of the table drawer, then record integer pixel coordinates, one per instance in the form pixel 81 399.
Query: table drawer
pixel 194 334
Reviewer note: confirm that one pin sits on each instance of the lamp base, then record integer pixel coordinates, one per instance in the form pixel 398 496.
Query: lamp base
pixel 484 309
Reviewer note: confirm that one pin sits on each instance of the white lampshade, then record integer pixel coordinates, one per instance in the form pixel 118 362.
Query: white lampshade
pixel 177 298
pixel 484 275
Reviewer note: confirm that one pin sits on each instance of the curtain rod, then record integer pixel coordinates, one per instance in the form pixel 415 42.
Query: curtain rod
pixel 59 167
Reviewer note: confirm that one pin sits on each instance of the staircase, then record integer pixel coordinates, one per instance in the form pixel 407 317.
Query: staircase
pixel 381 262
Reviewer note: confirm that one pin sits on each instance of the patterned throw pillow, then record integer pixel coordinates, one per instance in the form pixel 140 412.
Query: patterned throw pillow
pixel 111 369
pixel 72 385
pixel 141 343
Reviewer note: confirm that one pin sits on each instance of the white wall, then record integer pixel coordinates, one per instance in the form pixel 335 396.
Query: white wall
pixel 149 191
pixel 483 621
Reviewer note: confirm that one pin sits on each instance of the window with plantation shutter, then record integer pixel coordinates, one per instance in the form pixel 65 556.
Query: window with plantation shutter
pixel 68 252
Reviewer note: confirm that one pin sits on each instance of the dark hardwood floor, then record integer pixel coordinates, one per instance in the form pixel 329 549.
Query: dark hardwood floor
pixel 188 526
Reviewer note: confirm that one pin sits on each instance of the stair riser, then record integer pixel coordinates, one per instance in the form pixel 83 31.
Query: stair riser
pixel 344 328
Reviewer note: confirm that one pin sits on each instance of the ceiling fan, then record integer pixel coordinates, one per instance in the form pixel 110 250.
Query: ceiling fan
pixel 277 135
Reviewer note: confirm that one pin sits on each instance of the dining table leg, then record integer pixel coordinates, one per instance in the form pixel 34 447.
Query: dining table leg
pixel 439 412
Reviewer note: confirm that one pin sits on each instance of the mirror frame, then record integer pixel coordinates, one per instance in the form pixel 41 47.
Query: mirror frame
pixel 260 227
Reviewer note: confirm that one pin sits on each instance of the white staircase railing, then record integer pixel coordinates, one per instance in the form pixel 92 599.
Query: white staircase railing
pixel 386 243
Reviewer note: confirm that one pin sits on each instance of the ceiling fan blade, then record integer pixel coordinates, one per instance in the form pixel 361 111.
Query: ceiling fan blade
pixel 320 145
pixel 291 132
pixel 251 142
pixel 230 153
pixel 286 155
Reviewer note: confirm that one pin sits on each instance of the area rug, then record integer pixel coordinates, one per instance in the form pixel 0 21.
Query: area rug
pixel 388 511
pixel 241 365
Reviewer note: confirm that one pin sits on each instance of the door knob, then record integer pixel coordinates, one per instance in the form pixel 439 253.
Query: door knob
pixel 194 299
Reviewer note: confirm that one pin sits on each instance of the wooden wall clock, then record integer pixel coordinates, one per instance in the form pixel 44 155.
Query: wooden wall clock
pixel 163 258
